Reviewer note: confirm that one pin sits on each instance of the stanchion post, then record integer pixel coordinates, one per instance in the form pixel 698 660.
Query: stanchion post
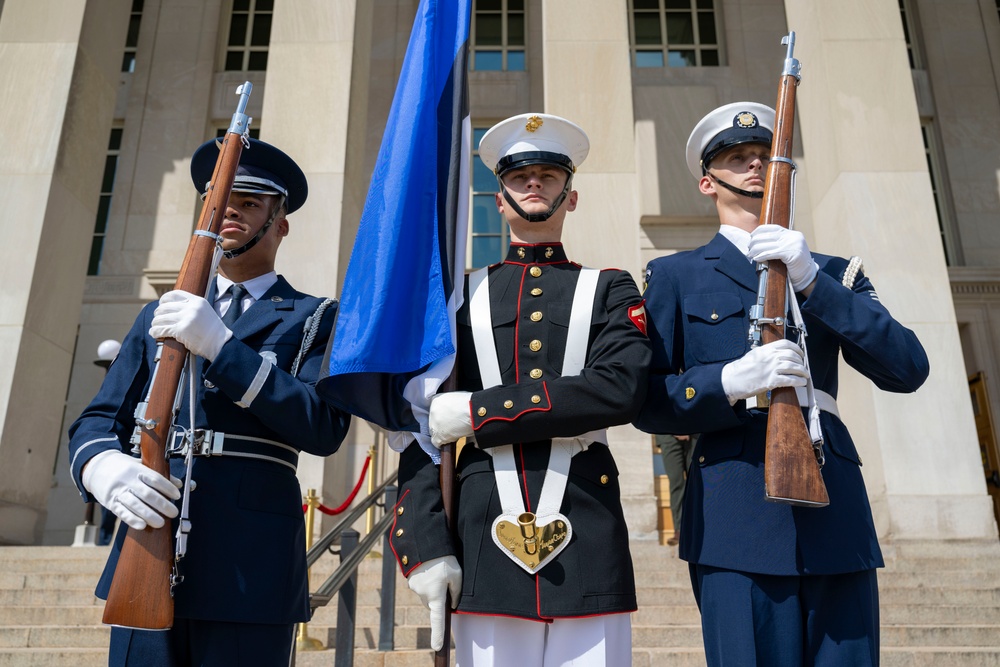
pixel 303 642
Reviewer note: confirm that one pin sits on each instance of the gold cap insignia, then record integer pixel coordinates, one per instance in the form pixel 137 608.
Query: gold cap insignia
pixel 534 122
pixel 746 119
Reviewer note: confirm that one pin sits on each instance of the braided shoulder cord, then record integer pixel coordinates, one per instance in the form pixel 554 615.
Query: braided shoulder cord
pixel 851 272
pixel 310 330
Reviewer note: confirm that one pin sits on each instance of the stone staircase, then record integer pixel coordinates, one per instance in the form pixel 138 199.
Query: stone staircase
pixel 940 606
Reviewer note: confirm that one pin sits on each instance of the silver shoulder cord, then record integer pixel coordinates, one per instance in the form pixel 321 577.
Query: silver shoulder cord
pixel 798 324
pixel 310 331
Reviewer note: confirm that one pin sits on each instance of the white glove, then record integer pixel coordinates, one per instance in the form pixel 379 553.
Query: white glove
pixel 137 495
pixel 192 321
pixel 777 364
pixel 433 581
pixel 788 246
pixel 450 417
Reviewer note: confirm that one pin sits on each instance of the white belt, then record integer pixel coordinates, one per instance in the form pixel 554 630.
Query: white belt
pixel 824 401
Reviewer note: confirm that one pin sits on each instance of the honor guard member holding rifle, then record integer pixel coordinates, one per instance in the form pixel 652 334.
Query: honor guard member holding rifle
pixel 777 585
pixel 244 575
pixel 550 354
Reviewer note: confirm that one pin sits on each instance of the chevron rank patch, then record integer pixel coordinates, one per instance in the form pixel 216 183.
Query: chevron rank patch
pixel 638 316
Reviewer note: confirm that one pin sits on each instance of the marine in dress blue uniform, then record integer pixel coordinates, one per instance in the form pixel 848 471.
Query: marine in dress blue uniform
pixel 777 585
pixel 244 583
pixel 575 606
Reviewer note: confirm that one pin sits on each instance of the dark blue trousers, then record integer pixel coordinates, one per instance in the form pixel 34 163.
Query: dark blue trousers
pixel 194 643
pixel 759 620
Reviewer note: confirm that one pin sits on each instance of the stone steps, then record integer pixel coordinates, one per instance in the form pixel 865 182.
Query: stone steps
pixel 940 605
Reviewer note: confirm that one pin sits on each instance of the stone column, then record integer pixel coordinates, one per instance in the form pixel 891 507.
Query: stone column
pixel 588 80
pixel 867 180
pixel 59 74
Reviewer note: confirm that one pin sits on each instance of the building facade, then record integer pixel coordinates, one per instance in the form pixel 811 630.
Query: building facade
pixel 896 141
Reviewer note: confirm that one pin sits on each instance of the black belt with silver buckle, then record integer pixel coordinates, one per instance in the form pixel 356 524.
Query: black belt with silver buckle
pixel 215 443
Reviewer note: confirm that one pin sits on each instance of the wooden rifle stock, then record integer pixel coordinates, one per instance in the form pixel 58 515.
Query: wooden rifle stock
pixel 791 471
pixel 140 595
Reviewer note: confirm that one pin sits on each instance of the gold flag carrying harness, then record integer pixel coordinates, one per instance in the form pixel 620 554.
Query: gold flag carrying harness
pixel 533 539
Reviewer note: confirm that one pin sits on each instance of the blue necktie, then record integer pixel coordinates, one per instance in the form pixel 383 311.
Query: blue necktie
pixel 235 306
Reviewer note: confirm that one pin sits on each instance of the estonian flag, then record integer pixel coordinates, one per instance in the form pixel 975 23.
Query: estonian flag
pixel 394 342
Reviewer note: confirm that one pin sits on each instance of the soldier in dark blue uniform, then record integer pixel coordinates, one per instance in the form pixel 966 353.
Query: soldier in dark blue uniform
pixel 244 573
pixel 777 585
pixel 550 355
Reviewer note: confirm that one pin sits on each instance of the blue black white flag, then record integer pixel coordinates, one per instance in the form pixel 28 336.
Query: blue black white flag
pixel 395 336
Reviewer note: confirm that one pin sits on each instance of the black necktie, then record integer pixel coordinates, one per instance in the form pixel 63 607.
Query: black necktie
pixel 235 306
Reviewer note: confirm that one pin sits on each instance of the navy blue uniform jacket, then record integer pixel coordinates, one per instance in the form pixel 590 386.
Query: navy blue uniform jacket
pixel 698 304
pixel 593 574
pixel 246 550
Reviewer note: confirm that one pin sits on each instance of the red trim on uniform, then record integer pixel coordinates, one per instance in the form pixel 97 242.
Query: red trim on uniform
pixel 517 328
pixel 524 479
pixel 542 619
pixel 392 532
pixel 545 389
pixel 561 261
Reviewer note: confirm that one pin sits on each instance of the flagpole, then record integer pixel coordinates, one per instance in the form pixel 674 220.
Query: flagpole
pixel 442 658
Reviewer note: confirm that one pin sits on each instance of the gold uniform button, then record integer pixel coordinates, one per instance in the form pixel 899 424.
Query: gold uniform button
pixel 481 412
pixel 536 316
pixel 604 479
pixel 508 404
pixel 537 291
pixel 689 393
pixel 536 399
pixel 535 272
pixel 535 373
pixel 535 345
pixel 399 533
pixel 404 560
pixel 399 511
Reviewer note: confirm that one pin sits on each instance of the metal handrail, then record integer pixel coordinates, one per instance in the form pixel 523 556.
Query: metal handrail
pixel 327 540
pixel 333 583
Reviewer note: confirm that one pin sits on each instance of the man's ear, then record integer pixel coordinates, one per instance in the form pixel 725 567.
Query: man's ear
pixel 706 185
pixel 281 226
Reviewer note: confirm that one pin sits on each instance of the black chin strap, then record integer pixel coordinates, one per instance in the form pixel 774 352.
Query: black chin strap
pixel 537 217
pixel 229 254
pixel 733 188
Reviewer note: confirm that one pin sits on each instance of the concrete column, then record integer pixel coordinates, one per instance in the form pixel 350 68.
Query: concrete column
pixel 868 184
pixel 59 74
pixel 588 80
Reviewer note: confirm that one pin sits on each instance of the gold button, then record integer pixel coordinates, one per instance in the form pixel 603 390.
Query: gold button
pixel 536 399
pixel 399 533
pixel 537 291
pixel 508 404
pixel 404 560
pixel 535 373
pixel 399 511
pixel 701 459
pixel 535 271
pixel 535 345
pixel 604 479
pixel 536 316
pixel 689 393
pixel 481 412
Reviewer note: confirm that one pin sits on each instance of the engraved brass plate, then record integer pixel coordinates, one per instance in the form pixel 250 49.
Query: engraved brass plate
pixel 531 544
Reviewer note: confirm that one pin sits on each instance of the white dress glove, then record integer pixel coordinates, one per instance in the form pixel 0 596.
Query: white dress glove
pixel 788 246
pixel 777 364
pixel 192 321
pixel 137 495
pixel 450 417
pixel 433 581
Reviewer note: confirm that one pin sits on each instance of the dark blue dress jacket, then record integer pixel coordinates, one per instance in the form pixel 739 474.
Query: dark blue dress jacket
pixel 698 303
pixel 246 549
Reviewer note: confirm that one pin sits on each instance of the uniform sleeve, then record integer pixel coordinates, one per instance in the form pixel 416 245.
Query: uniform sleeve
pixel 679 399
pixel 608 391
pixel 872 342
pixel 420 531
pixel 286 404
pixel 107 423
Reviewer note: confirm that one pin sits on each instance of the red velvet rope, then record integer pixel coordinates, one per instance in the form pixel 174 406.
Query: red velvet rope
pixel 326 510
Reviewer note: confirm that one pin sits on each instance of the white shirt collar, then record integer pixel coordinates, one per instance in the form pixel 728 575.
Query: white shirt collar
pixel 738 237
pixel 255 286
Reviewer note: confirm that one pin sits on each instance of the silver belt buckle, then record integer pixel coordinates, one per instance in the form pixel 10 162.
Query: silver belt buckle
pixel 206 443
